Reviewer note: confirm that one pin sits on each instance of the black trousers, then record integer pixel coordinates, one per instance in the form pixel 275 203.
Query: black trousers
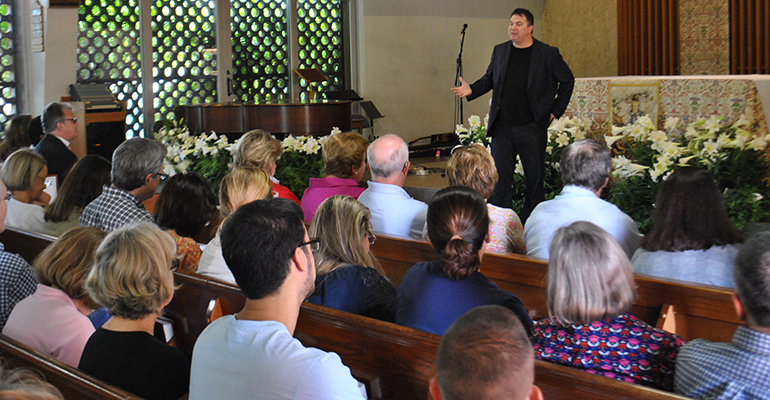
pixel 528 141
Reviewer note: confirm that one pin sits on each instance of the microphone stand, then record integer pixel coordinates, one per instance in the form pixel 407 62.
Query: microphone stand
pixel 458 112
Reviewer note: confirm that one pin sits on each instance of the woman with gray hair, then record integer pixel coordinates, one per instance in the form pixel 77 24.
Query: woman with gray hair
pixel 24 175
pixel 590 289
pixel 132 278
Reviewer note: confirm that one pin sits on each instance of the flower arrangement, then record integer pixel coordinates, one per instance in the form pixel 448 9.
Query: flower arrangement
pixel 300 160
pixel 476 133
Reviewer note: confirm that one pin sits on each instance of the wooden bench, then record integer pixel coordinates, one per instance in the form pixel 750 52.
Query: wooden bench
pixel 393 361
pixel 26 244
pixel 73 383
pixel 690 310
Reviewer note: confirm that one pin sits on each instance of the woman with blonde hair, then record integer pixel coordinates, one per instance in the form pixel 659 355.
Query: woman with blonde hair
pixel 474 167
pixel 54 319
pixel 433 294
pixel 24 174
pixel 348 277
pixel 344 166
pixel 590 289
pixel 241 186
pixel 258 148
pixel 132 278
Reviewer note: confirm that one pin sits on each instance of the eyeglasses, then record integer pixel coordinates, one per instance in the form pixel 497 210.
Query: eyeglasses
pixel 8 196
pixel 74 120
pixel 162 176
pixel 314 244
pixel 371 238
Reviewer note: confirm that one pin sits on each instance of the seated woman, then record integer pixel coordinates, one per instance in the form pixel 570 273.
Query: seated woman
pixel 692 238
pixel 433 294
pixel 344 166
pixel 347 275
pixel 54 319
pixel 590 288
pixel 183 209
pixel 260 149
pixel 24 175
pixel 241 186
pixel 132 278
pixel 15 135
pixel 81 186
pixel 474 167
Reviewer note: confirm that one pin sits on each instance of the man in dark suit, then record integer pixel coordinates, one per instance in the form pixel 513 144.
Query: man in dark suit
pixel 60 127
pixel 531 84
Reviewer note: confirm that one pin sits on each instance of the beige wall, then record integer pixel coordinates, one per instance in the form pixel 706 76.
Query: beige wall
pixel 585 32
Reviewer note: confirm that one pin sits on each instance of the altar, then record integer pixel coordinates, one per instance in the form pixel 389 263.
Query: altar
pixel 686 97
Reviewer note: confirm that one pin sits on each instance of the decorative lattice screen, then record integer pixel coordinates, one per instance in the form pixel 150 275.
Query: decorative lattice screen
pixel 319 23
pixel 7 65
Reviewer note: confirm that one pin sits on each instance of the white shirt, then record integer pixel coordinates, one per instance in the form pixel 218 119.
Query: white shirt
pixel 212 263
pixel 576 203
pixel 394 212
pixel 28 217
pixel 242 359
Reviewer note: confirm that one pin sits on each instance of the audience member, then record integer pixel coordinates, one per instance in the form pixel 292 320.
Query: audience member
pixel 260 149
pixel 137 168
pixel 348 277
pixel 585 170
pixel 81 187
pixel 24 174
pixel 485 355
pixel 692 238
pixel 252 354
pixel 35 130
pixel 394 212
pixel 132 278
pixel 590 288
pixel 15 135
pixel 344 166
pixel 25 384
pixel 61 127
pixel 241 186
pixel 54 319
pixel 474 167
pixel 434 294
pixel 739 369
pixel 183 209
pixel 17 278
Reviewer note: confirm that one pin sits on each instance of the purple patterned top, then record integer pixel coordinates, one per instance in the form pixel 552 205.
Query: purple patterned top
pixel 623 348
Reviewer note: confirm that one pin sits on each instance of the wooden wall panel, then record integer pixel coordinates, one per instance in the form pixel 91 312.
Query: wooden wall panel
pixel 648 37
pixel 749 37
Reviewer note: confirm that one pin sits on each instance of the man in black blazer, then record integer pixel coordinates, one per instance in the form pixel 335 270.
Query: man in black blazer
pixel 60 127
pixel 531 84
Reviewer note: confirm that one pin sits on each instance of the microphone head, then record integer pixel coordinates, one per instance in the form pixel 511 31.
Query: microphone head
pixel 465 26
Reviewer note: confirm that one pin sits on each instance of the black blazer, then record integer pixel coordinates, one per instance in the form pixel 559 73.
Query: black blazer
pixel 58 157
pixel 549 86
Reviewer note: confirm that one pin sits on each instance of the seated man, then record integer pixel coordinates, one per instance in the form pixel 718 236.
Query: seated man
pixel 60 127
pixel 739 369
pixel 252 354
pixel 485 355
pixel 585 170
pixel 394 212
pixel 137 168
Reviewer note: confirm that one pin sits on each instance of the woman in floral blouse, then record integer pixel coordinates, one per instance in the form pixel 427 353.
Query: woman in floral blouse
pixel 590 288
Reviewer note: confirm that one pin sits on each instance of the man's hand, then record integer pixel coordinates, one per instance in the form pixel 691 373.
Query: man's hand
pixel 463 90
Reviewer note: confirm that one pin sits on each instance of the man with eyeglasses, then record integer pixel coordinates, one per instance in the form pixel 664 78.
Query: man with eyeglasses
pixel 394 212
pixel 137 169
pixel 253 354
pixel 60 126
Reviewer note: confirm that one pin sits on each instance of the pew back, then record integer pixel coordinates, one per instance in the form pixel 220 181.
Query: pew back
pixel 700 311
pixel 26 244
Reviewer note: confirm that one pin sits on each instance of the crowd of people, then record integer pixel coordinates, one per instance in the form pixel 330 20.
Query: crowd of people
pixel 92 298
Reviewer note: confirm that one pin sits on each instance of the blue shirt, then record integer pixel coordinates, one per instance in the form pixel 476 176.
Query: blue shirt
pixel 735 370
pixel 576 203
pixel 429 300
pixel 358 290
pixel 710 267
pixel 393 211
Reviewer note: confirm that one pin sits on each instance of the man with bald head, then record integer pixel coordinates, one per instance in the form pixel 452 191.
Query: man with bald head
pixel 394 212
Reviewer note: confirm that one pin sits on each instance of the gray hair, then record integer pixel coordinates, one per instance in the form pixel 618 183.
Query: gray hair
pixel 586 163
pixel 134 159
pixel 53 114
pixel 383 164
pixel 589 275
pixel 751 273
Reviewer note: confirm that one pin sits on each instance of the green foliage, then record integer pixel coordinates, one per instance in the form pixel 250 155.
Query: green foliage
pixel 294 169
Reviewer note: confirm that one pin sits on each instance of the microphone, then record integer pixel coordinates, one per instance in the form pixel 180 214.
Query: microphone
pixel 465 26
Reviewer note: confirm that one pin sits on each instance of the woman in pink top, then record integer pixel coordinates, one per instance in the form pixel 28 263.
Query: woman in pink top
pixel 344 156
pixel 54 319
pixel 474 167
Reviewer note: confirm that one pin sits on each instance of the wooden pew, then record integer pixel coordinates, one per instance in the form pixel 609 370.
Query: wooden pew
pixel 393 361
pixel 699 311
pixel 73 383
pixel 24 243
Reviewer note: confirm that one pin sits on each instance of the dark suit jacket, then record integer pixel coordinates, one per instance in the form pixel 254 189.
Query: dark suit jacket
pixel 58 157
pixel 549 86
